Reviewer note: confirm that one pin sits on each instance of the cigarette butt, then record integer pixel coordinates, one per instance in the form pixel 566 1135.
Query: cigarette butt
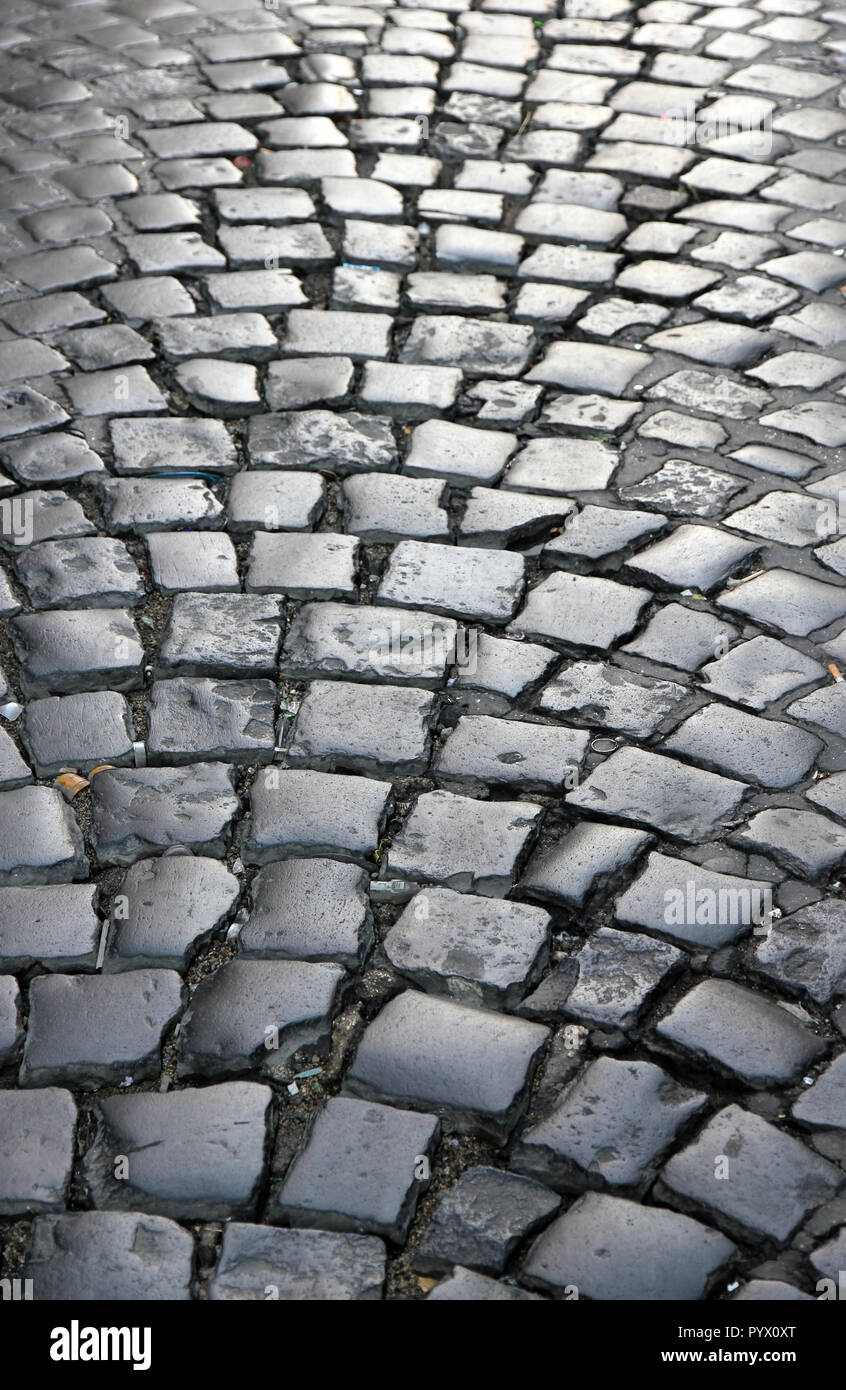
pixel 834 671
pixel 70 785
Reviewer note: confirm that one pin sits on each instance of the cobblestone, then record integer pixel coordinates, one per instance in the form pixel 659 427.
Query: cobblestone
pixel 424 592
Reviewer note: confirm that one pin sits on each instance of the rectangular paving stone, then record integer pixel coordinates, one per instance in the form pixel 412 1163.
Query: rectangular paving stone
pixel 54 927
pixel 141 811
pixel 343 444
pixel 165 909
pixel 192 1154
pixel 79 731
pixel 255 1014
pixel 740 1033
pixel 303 565
pixel 462 843
pixel 172 445
pixel 461 455
pixel 109 1255
pixel 344 642
pixel 771 752
pixel 38 1130
pixel 138 505
pixel 380 731
pixel 382 507
pixel 290 501
pixel 481 751
pixel 481 951
pixel 464 582
pixel 87 572
pixel 64 651
pixel 220 635
pixel 358 1170
pixel 195 718
pixel 88 1031
pixel 580 611
pixel 303 813
pixel 787 601
pixel 479 349
pixel 434 1055
pixel 297 1264
pixel 694 904
pixel 40 841
pixel 774 1180
pixel 608 1247
pixel 637 785
pixel 308 909
pixel 267 291
pixel 200 561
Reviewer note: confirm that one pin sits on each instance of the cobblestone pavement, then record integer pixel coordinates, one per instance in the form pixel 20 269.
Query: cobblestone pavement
pixel 422 487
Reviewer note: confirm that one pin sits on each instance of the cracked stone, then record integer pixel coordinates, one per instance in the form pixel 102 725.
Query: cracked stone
pixel 682 487
pixel 561 465
pixel 588 859
pixel 612 698
pixel 609 982
pixel 824 1103
pixel 806 843
pixel 637 785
